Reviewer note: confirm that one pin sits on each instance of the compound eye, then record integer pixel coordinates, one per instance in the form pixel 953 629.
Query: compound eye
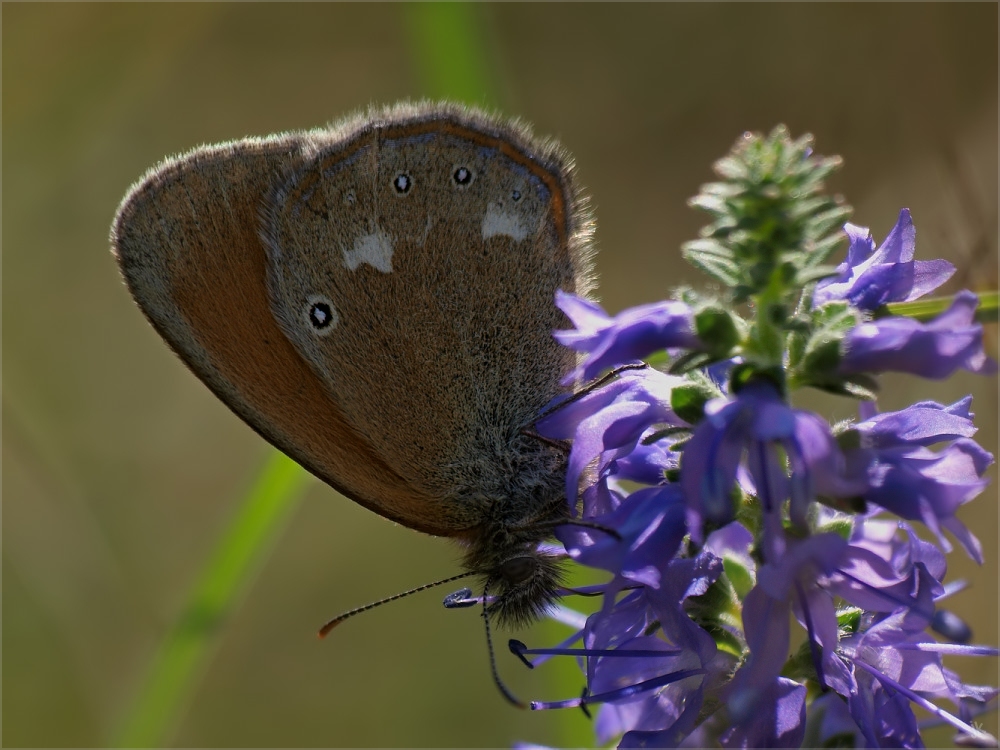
pixel 518 569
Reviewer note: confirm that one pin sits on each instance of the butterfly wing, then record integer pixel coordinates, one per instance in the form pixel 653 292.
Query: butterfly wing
pixel 187 241
pixel 442 344
pixel 430 242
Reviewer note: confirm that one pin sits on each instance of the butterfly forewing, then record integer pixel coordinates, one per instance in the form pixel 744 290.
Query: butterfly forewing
pixel 187 238
pixel 374 299
pixel 435 250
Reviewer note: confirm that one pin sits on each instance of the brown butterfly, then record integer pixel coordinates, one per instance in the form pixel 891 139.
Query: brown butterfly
pixel 376 300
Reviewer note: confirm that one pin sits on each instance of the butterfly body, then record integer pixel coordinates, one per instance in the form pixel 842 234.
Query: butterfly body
pixel 376 300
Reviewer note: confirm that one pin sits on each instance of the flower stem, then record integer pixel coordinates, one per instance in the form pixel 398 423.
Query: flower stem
pixel 927 309
pixel 172 678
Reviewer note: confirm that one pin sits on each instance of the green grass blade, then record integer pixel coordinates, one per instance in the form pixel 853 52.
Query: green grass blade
pixel 447 40
pixel 183 655
pixel 927 309
pixel 989 302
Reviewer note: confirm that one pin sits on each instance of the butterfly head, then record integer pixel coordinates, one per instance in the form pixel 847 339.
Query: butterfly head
pixel 521 579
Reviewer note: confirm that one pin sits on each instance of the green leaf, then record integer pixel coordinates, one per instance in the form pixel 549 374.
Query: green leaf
pixel 842 527
pixel 688 363
pixel 822 357
pixel 667 432
pixel 717 329
pixel 862 387
pixel 739 576
pixel 769 211
pixel 725 273
pixel 658 359
pixel 816 273
pixel 714 259
pixel 688 402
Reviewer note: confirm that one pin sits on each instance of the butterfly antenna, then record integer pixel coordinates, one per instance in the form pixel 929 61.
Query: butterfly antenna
pixel 579 523
pixel 511 698
pixel 323 631
pixel 590 387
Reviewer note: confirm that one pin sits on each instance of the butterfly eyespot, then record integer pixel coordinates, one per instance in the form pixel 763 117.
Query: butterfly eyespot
pixel 321 315
pixel 515 196
pixel 462 176
pixel 402 182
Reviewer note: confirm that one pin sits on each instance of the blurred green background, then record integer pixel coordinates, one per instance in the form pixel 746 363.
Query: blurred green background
pixel 121 470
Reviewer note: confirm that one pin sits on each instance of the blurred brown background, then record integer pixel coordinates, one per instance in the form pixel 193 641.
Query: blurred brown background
pixel 121 469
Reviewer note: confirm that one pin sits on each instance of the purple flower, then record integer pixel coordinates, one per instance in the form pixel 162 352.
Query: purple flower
pixel 607 424
pixel 886 666
pixel 880 571
pixel 649 525
pixel 753 426
pixel 720 534
pixel 630 335
pixel 870 278
pixel 894 580
pixel 778 720
pixel 651 688
pixel 917 483
pixel 830 724
pixel 924 423
pixel 790 583
pixel 890 661
pixel 649 663
pixel 936 349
